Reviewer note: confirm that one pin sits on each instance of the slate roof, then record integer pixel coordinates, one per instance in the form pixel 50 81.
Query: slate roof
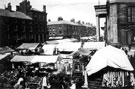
pixel 34 9
pixel 14 14
pixel 62 22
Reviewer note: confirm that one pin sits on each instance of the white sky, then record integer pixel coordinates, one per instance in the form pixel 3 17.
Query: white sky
pixel 78 9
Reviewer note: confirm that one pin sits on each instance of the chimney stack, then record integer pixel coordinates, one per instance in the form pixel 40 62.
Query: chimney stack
pixel 9 7
pixel 17 8
pixel 44 8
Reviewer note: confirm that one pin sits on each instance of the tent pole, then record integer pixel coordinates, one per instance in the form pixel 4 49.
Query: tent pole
pixel 85 79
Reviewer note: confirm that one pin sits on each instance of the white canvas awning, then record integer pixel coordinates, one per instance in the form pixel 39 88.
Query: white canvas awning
pixel 19 58
pixel 2 56
pixel 93 45
pixel 34 59
pixel 81 51
pixel 6 49
pixel 28 46
pixel 69 46
pixel 108 56
pixel 45 59
pixel 49 48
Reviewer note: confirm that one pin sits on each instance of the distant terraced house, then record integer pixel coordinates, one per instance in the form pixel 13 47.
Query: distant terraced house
pixel 69 29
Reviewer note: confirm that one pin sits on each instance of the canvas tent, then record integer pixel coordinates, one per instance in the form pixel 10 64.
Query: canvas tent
pixel 108 56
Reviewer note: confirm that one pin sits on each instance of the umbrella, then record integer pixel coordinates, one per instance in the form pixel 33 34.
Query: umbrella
pixel 108 56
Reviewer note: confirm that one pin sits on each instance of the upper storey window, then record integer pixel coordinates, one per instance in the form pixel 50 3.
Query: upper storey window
pixel 131 14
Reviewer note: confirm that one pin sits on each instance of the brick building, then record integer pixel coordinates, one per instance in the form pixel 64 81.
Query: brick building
pixel 13 26
pixel 39 20
pixel 25 25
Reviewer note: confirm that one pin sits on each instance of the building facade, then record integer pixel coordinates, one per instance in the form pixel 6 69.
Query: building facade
pixel 25 25
pixel 121 19
pixel 39 20
pixel 13 27
pixel 67 29
pixel 120 22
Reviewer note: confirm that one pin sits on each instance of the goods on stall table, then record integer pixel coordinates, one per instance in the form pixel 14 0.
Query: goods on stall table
pixel 33 82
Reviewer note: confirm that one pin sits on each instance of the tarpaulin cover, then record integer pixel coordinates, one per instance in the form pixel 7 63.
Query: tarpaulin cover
pixel 108 56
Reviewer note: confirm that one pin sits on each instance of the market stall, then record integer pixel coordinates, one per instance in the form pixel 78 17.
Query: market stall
pixel 30 48
pixel 35 67
pixel 111 67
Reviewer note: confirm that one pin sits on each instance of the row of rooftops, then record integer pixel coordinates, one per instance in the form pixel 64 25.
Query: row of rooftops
pixel 8 12
pixel 67 22
pixel 17 14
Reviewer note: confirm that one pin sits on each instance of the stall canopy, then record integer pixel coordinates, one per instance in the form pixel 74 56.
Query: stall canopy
pixel 81 51
pixel 28 46
pixel 34 59
pixel 45 59
pixel 69 46
pixel 108 56
pixel 49 48
pixel 19 58
pixel 6 49
pixel 66 40
pixel 94 45
pixel 52 42
pixel 2 56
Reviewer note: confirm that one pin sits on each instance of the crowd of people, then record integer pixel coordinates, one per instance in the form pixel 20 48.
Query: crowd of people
pixel 19 79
